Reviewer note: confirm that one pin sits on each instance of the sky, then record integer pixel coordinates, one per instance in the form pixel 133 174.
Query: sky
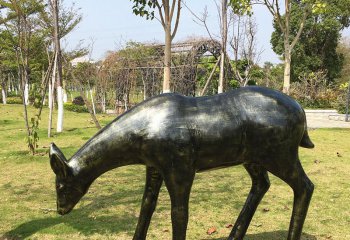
pixel 109 24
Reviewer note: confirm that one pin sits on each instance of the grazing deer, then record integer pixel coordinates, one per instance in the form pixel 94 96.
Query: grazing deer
pixel 177 136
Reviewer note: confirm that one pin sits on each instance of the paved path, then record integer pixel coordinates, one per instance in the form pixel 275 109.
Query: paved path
pixel 325 119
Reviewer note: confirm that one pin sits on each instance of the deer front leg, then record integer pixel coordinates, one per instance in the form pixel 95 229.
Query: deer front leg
pixel 179 185
pixel 149 201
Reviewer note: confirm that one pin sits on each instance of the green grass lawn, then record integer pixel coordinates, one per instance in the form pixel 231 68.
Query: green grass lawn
pixel 110 209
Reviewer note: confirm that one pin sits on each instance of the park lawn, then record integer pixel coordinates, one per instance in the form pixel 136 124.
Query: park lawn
pixel 110 209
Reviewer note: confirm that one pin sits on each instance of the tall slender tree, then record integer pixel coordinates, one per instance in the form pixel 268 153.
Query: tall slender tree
pixel 58 63
pixel 284 23
pixel 316 49
pixel 224 32
pixel 169 16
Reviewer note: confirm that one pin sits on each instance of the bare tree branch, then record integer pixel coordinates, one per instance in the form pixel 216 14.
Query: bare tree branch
pixel 177 19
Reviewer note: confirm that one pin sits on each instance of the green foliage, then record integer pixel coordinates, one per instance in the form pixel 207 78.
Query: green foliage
pixel 234 83
pixel 241 7
pixel 75 108
pixel 144 8
pixel 14 100
pixel 204 68
pixel 33 137
pixel 35 95
pixel 312 91
pixel 254 74
pixel 342 98
pixel 316 48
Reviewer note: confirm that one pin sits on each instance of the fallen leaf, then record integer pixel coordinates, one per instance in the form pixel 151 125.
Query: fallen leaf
pixel 266 210
pixel 211 230
pixel 230 225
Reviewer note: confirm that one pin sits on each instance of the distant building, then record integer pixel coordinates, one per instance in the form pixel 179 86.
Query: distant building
pixel 83 59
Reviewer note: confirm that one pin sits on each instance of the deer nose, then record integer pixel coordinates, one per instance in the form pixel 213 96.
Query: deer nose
pixel 60 211
pixel 63 211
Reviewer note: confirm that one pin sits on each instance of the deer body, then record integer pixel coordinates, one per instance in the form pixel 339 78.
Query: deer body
pixel 177 136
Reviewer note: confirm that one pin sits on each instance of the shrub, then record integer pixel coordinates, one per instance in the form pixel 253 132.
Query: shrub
pixel 341 102
pixel 12 94
pixel 75 108
pixel 14 100
pixel 312 91
pixel 79 101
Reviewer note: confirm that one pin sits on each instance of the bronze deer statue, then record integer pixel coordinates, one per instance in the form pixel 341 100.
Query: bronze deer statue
pixel 177 136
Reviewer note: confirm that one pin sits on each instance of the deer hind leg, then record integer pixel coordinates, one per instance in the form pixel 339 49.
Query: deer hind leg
pixel 260 185
pixel 149 201
pixel 302 186
pixel 303 189
pixel 179 185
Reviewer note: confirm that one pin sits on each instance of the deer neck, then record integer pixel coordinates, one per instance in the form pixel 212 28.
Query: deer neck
pixel 108 149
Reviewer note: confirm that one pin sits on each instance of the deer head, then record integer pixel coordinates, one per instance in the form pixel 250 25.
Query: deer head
pixel 69 189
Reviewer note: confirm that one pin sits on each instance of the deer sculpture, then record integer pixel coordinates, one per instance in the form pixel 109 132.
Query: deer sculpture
pixel 177 136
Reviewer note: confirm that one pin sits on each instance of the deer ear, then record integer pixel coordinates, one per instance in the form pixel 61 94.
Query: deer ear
pixel 58 162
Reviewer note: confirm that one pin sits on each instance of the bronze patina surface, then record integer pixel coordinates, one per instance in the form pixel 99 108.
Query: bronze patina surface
pixel 177 136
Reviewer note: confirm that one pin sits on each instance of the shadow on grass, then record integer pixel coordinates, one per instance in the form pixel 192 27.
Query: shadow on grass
pixel 276 235
pixel 86 220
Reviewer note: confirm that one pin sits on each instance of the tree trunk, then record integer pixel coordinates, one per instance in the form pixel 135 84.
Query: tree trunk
pixel 103 102
pixel 222 72
pixel 65 96
pixel 49 105
pixel 210 76
pixel 144 86
pixel 59 67
pixel 347 104
pixel 51 96
pixel 26 93
pixel 92 102
pixel 3 92
pixel 223 45
pixel 88 105
pixel 59 109
pixel 167 59
pixel 25 80
pixel 287 64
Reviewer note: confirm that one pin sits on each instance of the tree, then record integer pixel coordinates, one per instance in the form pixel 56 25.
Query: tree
pixel 58 64
pixel 284 23
pixel 344 81
pixel 84 76
pixel 57 21
pixel 166 10
pixel 26 37
pixel 244 46
pixel 316 49
pixel 22 40
pixel 239 33
pixel 224 33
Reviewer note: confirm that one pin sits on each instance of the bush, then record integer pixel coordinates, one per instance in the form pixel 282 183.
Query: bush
pixel 312 91
pixel 35 96
pixel 79 101
pixel 341 102
pixel 12 94
pixel 75 108
pixel 14 100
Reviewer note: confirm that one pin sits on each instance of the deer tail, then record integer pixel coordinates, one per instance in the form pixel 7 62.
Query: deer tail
pixel 306 141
